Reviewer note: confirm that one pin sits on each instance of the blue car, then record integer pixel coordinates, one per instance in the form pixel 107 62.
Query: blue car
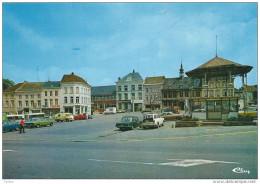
pixel 10 125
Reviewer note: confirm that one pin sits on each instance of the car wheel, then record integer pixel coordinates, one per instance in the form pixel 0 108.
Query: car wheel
pixel 51 124
pixel 38 126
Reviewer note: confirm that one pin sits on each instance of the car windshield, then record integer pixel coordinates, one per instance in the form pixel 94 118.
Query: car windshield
pixel 32 119
pixel 126 119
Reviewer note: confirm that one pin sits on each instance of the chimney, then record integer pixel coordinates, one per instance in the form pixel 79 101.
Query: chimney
pixel 72 73
pixel 119 78
pixel 133 71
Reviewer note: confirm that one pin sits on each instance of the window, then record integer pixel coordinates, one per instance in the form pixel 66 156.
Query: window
pixel 146 89
pixel 56 93
pixel 218 93
pixel 50 93
pixel 71 99
pixel 140 88
pixel 133 96
pixel 205 93
pixel 186 94
pixel 224 92
pixel 224 84
pixel 26 96
pixel 7 103
pixel 20 104
pixel 77 90
pixel 119 96
pixel 65 100
pixel 181 94
pixel 32 96
pixel 146 97
pixel 126 88
pixel 32 103
pixel 211 84
pixel 71 90
pixel 46 103
pixel 46 94
pixel 126 96
pixel 77 100
pixel 39 96
pixel 218 84
pixel 26 104
pixel 51 102
pixel 12 103
pixel 174 94
pixel 133 87
pixel 211 93
pixel 39 103
pixel 119 88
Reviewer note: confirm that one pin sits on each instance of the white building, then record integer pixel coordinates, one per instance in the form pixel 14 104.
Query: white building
pixel 75 95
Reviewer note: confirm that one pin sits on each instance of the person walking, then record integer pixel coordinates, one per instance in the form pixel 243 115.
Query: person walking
pixel 22 126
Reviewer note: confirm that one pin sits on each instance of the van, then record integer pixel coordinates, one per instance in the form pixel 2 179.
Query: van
pixel 64 117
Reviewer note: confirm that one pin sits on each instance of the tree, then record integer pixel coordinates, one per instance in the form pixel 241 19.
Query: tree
pixel 7 83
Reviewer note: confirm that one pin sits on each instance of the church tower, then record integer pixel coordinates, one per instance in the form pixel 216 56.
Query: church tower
pixel 181 71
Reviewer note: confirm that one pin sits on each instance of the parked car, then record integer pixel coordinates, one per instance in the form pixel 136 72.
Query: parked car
pixel 37 122
pixel 171 116
pixel 80 116
pixel 10 125
pixel 128 122
pixel 152 120
pixel 90 117
pixel 64 117
pixel 251 111
pixel 110 110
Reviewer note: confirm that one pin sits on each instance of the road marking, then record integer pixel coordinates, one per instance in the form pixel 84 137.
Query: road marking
pixel 176 163
pixel 9 151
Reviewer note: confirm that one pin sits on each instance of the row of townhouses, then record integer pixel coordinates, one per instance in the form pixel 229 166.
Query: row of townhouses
pixel 71 94
pixel 207 91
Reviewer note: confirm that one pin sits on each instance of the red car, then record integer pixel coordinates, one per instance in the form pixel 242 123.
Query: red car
pixel 80 116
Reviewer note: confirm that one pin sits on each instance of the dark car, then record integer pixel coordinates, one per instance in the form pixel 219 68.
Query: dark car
pixel 10 125
pixel 128 122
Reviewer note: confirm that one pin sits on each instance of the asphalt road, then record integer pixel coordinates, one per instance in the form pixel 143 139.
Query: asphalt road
pixel 95 149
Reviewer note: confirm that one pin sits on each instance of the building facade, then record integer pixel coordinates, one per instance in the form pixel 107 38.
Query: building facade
pixel 153 93
pixel 29 98
pixel 51 98
pixel 129 92
pixel 103 97
pixel 75 95
pixel 9 101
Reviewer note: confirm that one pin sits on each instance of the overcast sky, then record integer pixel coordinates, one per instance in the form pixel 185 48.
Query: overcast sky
pixel 103 41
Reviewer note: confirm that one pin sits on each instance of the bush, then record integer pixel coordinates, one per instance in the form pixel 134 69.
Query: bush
pixel 189 119
pixel 241 118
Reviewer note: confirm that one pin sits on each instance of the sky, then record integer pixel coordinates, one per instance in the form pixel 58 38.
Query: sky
pixel 103 41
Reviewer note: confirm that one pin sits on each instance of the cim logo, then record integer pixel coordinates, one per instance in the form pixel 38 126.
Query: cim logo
pixel 240 170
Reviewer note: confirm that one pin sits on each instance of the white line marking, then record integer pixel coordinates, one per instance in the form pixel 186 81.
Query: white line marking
pixel 177 163
pixel 9 150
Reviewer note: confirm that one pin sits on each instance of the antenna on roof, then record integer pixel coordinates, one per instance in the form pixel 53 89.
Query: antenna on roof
pixel 37 69
pixel 216 45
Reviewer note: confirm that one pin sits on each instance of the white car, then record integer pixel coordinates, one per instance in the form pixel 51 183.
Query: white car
pixel 152 120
